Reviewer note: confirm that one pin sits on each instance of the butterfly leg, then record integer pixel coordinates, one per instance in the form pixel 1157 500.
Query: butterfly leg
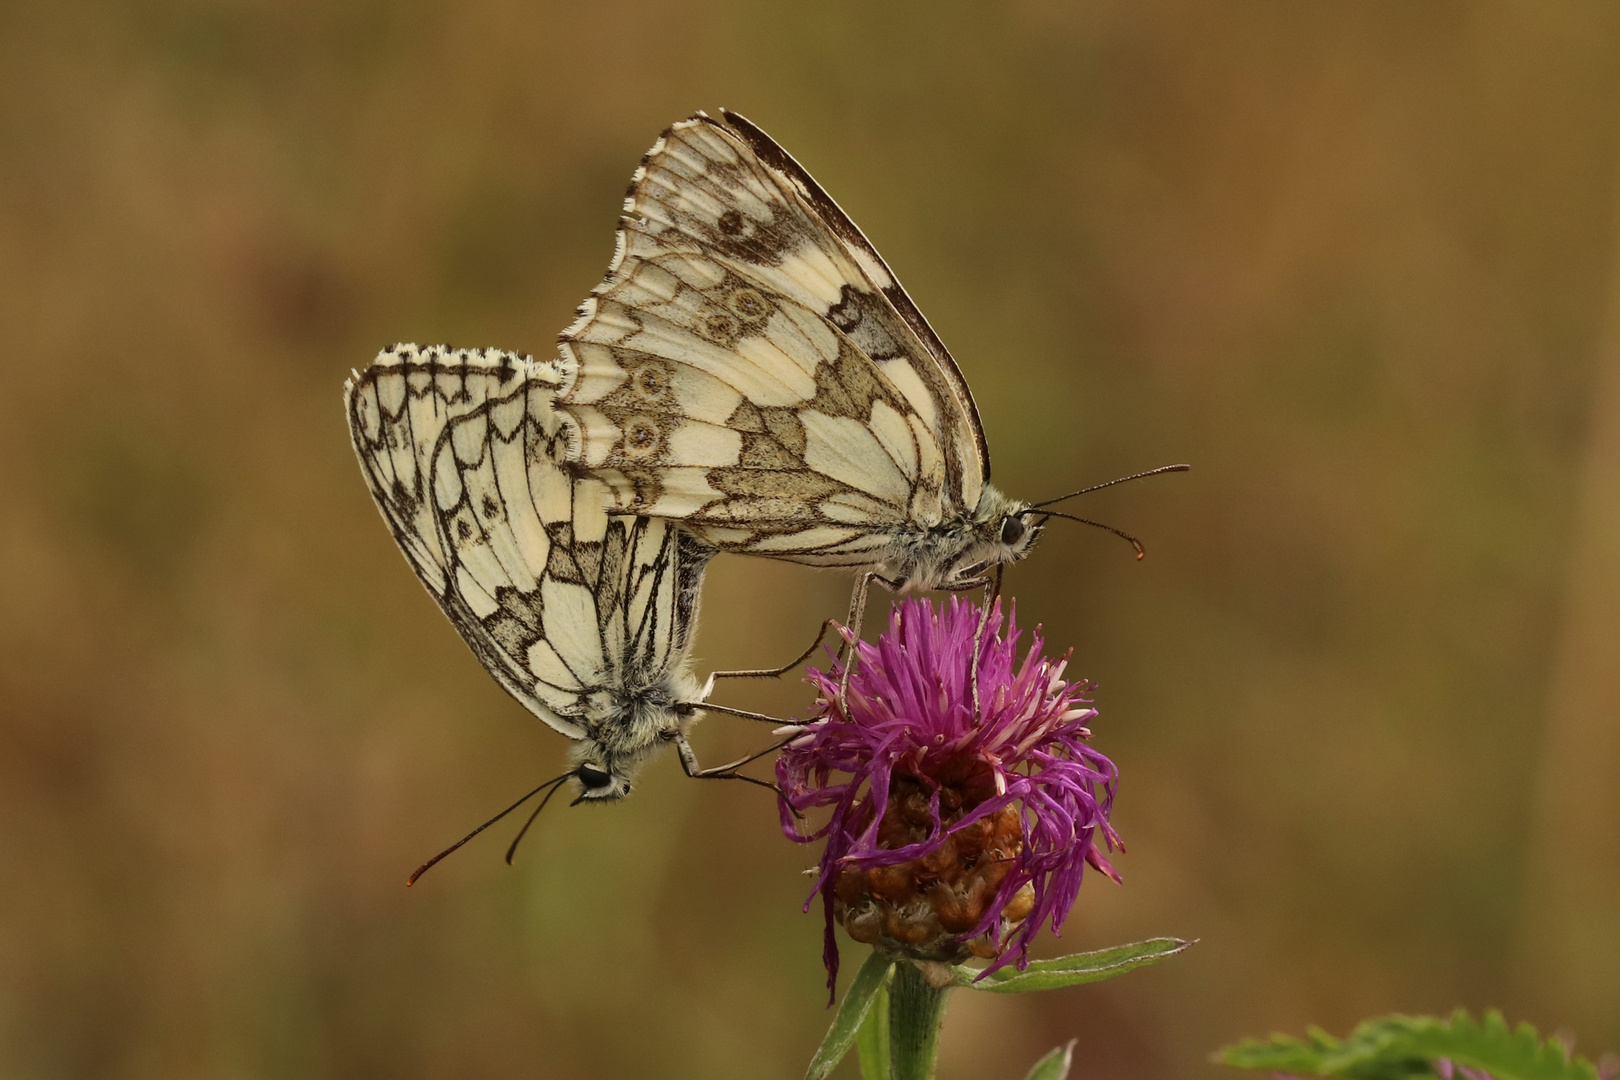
pixel 763 718
pixel 689 763
pixel 991 595
pixel 771 673
pixel 857 610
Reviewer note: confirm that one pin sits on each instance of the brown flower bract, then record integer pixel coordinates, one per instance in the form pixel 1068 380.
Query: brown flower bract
pixel 920 909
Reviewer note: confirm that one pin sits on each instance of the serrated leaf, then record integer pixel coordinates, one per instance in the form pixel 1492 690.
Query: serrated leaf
pixel 1393 1047
pixel 1279 1054
pixel 852 1010
pixel 1071 970
pixel 1054 1066
pixel 1507 1054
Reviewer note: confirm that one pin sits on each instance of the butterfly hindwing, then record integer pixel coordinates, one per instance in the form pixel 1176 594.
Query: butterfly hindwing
pixel 752 367
pixel 431 430
pixel 570 609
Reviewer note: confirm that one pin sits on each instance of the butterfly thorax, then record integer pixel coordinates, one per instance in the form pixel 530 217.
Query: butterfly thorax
pixel 957 551
pixel 627 724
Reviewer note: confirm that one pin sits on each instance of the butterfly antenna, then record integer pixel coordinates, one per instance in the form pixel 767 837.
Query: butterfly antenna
pixel 1141 552
pixel 431 863
pixel 518 839
pixel 1111 483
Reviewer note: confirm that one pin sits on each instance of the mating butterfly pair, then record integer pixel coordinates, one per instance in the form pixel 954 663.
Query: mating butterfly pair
pixel 748 377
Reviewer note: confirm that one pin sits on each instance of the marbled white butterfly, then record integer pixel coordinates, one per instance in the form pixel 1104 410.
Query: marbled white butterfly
pixel 583 616
pixel 751 367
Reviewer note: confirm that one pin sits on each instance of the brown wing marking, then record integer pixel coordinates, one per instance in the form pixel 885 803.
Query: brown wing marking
pixel 839 223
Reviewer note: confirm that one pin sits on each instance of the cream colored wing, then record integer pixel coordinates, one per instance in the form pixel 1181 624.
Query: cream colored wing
pixel 460 450
pixel 751 366
pixel 570 609
pixel 647 598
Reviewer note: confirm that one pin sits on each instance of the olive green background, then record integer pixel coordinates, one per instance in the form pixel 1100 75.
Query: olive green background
pixel 1355 262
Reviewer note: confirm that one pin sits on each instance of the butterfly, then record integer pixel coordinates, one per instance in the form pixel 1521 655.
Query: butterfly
pixel 585 617
pixel 751 367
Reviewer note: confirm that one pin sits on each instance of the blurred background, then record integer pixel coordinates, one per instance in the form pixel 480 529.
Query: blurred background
pixel 1355 262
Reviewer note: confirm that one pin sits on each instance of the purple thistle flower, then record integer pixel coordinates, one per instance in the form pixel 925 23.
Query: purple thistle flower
pixel 951 833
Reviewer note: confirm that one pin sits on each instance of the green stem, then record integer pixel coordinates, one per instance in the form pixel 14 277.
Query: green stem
pixel 916 1013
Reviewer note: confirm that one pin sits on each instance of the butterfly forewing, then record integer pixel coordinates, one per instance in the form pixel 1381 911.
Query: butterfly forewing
pixel 751 366
pixel 832 218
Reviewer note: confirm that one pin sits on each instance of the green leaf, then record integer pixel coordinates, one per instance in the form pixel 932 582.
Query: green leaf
pixel 872 1041
pixel 1282 1053
pixel 858 1000
pixel 1395 1047
pixel 1054 1066
pixel 1071 970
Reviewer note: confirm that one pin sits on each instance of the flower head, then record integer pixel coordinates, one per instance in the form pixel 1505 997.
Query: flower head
pixel 953 831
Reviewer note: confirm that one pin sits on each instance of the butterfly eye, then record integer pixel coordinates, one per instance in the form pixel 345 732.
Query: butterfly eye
pixel 592 776
pixel 1012 529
